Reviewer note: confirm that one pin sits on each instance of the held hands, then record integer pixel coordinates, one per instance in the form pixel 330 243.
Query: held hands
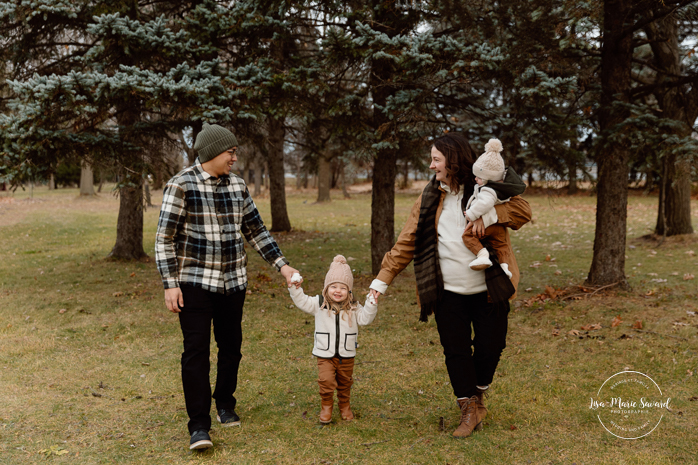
pixel 174 299
pixel 373 294
pixel 478 227
pixel 293 277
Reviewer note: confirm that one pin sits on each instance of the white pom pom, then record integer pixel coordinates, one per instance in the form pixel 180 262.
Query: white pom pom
pixel 296 278
pixel 494 145
pixel 340 259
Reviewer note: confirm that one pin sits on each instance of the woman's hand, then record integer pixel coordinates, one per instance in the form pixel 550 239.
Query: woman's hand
pixel 478 227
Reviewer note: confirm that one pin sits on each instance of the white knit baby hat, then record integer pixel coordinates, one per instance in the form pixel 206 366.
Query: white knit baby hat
pixel 490 165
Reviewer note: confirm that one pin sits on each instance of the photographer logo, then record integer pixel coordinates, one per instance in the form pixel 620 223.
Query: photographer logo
pixel 629 405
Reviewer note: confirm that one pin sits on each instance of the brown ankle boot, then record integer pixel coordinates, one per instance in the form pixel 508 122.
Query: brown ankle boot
pixel 469 418
pixel 481 409
pixel 345 411
pixel 326 412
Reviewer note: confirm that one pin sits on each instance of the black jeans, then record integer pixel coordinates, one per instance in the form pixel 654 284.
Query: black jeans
pixel 466 367
pixel 200 309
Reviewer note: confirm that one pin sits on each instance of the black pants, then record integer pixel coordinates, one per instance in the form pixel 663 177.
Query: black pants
pixel 200 309
pixel 466 367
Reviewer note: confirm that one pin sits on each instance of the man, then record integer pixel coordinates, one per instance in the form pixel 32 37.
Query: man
pixel 200 254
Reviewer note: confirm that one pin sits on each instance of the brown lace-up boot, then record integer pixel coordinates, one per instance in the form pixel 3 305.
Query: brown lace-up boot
pixel 481 409
pixel 469 418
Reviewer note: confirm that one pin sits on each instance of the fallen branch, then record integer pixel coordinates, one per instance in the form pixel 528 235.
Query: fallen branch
pixel 373 443
pixel 660 334
pixel 586 294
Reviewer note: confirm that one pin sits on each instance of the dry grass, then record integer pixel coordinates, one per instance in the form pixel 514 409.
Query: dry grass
pixel 99 382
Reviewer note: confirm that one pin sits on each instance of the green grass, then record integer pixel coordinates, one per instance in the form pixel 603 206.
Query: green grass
pixel 99 382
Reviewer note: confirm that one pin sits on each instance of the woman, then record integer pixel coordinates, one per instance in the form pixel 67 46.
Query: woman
pixel 446 285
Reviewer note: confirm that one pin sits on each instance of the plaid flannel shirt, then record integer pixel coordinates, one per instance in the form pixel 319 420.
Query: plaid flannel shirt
pixel 199 237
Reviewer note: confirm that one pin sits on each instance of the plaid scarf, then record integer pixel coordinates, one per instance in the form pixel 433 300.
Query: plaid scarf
pixel 427 271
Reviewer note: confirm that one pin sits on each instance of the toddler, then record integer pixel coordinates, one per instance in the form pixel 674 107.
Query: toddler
pixel 495 185
pixel 337 318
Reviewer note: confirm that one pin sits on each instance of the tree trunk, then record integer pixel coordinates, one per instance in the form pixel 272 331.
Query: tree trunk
pixel 246 172
pixel 146 193
pixel 87 186
pixel 675 198
pixel 51 182
pixel 608 262
pixel 324 176
pixel 383 206
pixel 258 173
pixel 676 103
pixel 277 179
pixel 129 226
pixel 405 182
pixel 572 174
pixel 385 159
pixel 343 180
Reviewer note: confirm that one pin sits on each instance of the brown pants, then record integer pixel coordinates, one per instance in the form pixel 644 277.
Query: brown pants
pixel 496 235
pixel 335 373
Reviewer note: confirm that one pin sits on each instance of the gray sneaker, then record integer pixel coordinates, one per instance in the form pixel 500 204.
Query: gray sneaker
pixel 200 440
pixel 228 418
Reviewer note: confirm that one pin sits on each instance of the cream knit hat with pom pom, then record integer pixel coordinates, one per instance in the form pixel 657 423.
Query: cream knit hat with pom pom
pixel 340 272
pixel 490 165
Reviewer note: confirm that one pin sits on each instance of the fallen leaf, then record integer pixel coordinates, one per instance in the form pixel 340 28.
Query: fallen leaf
pixel 688 276
pixel 63 310
pixel 550 291
pixel 132 274
pixel 304 415
pixel 637 324
pixel 573 332
pixel 649 293
pixel 690 253
pixel 693 398
pixel 534 265
pixel 558 272
pixel 625 336
pixel 118 294
pixel 556 332
pixel 591 327
pixel 616 321
pixel 512 427
pixel 547 258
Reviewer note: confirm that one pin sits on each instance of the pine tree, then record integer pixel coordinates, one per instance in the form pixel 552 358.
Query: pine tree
pixel 103 81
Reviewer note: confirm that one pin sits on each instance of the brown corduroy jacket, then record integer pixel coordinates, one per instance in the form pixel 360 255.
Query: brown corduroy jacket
pixel 512 214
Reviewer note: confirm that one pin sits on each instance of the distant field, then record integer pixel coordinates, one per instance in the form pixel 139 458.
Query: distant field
pixel 89 356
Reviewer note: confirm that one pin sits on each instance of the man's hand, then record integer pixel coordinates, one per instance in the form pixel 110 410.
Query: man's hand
pixel 374 293
pixel 174 299
pixel 287 272
pixel 478 227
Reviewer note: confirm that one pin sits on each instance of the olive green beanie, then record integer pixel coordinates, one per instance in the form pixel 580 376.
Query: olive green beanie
pixel 212 141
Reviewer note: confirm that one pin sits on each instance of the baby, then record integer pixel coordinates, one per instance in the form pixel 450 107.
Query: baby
pixel 337 318
pixel 495 185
